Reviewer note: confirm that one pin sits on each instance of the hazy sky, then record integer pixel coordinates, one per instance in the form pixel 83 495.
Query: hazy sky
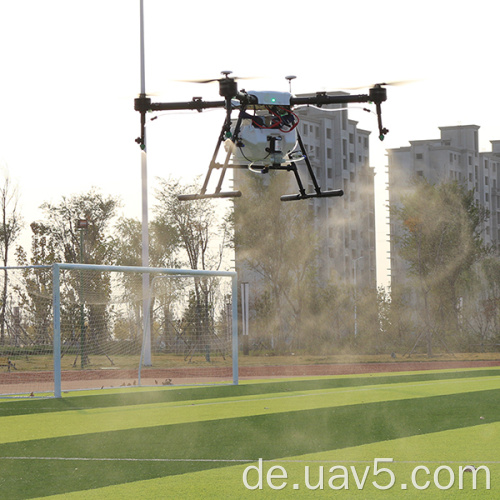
pixel 70 72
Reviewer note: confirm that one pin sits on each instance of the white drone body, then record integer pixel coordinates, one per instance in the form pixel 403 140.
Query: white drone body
pixel 269 136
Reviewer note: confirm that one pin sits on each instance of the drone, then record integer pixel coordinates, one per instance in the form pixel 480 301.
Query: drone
pixel 263 136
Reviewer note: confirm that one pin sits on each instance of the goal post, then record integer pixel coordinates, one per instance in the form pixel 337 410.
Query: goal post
pixel 90 319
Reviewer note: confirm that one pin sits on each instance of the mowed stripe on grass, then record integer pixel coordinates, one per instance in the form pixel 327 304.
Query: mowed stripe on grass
pixel 95 420
pixel 273 436
pixel 475 445
pixel 148 395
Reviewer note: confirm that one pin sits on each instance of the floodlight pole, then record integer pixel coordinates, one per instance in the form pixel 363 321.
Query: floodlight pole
pixel 146 324
pixel 82 225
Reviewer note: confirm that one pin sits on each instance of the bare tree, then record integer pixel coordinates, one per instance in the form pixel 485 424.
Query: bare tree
pixel 10 228
pixel 201 238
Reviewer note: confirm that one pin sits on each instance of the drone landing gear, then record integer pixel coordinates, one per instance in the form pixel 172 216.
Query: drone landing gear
pixel 289 167
pixel 214 165
pixel 202 195
pixel 223 194
pixel 302 195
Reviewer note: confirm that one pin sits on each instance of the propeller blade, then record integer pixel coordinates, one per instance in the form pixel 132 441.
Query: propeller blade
pixel 399 83
pixel 396 83
pixel 211 80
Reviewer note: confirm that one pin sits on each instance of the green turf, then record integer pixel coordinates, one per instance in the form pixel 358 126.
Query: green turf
pixel 135 397
pixel 271 421
pixel 101 419
pixel 473 445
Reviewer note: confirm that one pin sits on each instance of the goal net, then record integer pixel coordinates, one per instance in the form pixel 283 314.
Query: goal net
pixel 76 326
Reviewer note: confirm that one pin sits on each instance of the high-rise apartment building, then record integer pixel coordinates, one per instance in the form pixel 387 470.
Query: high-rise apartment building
pixel 340 154
pixel 454 156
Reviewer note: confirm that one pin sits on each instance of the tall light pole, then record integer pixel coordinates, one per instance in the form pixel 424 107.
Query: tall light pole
pixel 82 225
pixel 356 295
pixel 146 324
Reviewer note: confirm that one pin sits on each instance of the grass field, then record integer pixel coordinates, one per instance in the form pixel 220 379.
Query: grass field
pixel 197 442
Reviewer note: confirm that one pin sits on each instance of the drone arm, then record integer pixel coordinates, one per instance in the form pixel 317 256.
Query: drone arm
pixel 144 105
pixel 322 98
pixel 195 104
pixel 377 95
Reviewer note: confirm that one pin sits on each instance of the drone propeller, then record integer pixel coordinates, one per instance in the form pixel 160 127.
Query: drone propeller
pixel 396 83
pixel 149 94
pixel 228 88
pixel 225 77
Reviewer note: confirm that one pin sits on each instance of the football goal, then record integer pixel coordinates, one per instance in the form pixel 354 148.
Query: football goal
pixel 80 326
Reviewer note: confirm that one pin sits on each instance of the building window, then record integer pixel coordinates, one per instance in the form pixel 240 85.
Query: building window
pixel 351 176
pixel 419 156
pixel 351 157
pixel 366 142
pixel 329 153
pixel 351 138
pixel 329 173
pixel 328 133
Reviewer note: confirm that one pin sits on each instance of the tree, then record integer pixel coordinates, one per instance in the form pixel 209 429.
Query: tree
pixel 85 296
pixel 35 296
pixel 277 241
pixel 10 228
pixel 163 247
pixel 200 239
pixel 98 210
pixel 441 242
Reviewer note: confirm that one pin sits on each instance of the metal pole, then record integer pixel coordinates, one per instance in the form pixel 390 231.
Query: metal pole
pixel 244 316
pixel 235 328
pixel 56 304
pixel 146 324
pixel 82 312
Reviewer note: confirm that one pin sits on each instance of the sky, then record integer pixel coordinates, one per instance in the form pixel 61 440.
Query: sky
pixel 70 70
